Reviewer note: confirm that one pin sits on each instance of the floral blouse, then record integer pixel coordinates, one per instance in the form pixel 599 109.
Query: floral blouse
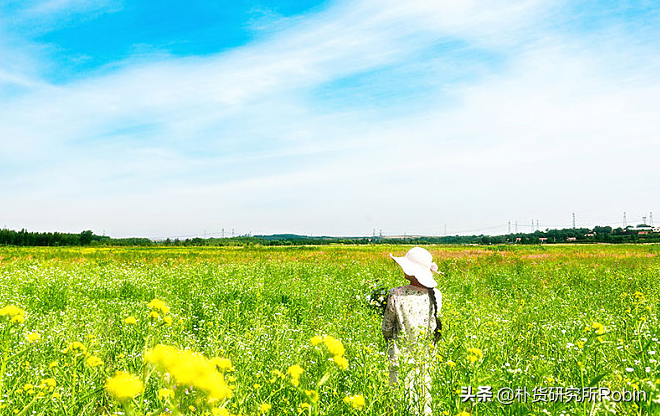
pixel 409 313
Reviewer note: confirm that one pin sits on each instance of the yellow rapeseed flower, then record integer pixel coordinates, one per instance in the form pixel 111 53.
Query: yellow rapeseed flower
pixel 33 337
pixel 130 320
pixel 14 313
pixel 315 340
pixel 341 362
pixel 450 363
pixel 165 394
pixel 167 320
pixel 124 386
pixel 600 329
pixel 294 372
pixel 474 354
pixel 220 411
pixel 313 395
pixel 94 361
pixel 75 348
pixel 334 345
pixel 192 369
pixel 159 305
pixel 53 364
pixel 265 408
pixel 153 315
pixel 463 413
pixel 223 364
pixel 356 401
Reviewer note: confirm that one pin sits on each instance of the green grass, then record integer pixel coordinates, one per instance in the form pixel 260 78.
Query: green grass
pixel 530 310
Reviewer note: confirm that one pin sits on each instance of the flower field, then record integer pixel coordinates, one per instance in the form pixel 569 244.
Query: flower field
pixel 291 331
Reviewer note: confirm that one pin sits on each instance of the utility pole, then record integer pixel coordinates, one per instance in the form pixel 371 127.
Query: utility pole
pixel 537 225
pixel 223 233
pixel 573 220
pixel 381 233
pixel 625 221
pixel 232 233
pixel 374 233
pixel 509 232
pixel 532 226
pixel 651 219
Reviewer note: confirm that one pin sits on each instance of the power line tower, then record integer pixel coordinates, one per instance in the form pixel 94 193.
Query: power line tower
pixel 625 221
pixel 537 225
pixel 509 232
pixel 516 227
pixel 644 220
pixel 223 233
pixel 380 234
pixel 232 233
pixel 573 220
pixel 651 219
pixel 532 226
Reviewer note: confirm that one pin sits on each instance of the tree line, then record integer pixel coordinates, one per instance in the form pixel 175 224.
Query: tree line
pixel 550 236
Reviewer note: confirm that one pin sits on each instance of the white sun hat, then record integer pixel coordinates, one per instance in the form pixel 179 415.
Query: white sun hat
pixel 418 262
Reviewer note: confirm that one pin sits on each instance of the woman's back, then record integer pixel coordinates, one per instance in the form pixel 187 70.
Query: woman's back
pixel 409 313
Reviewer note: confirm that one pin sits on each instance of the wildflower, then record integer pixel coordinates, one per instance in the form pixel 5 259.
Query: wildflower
pixel 265 408
pixel 451 364
pixel 580 344
pixel 33 337
pixel 600 329
pixel 124 386
pixel 294 372
pixel 164 394
pixel 463 413
pixel 223 364
pixel 15 314
pixel 256 386
pixel 48 384
pixel 600 339
pixel 220 411
pixel 192 408
pixel 191 369
pixel 316 340
pixel 130 320
pixel 94 361
pixel 474 354
pixel 76 348
pixel 357 401
pixel 153 315
pixel 167 320
pixel 341 362
pixel 313 395
pixel 334 345
pixel 53 364
pixel 56 396
pixel 159 305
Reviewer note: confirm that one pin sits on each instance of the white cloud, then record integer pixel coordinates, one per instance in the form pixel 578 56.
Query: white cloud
pixel 237 139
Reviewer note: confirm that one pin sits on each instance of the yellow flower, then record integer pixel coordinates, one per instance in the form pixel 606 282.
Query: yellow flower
pixel 316 340
pixel 265 408
pixel 56 396
pixel 357 401
pixel 451 364
pixel 14 313
pixel 167 320
pixel 220 411
pixel 130 320
pixel 474 354
pixel 303 406
pixel 294 372
pixel 76 348
pixel 124 386
pixel 192 408
pixel 256 386
pixel 223 364
pixel 600 339
pixel 32 337
pixel 600 329
pixel 159 305
pixel 94 361
pixel 549 379
pixel 313 395
pixel 463 413
pixel 334 345
pixel 48 383
pixel 165 394
pixel 153 314
pixel 580 344
pixel 192 369
pixel 341 362
pixel 53 364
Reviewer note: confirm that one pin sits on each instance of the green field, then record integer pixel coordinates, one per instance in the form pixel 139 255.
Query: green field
pixel 541 317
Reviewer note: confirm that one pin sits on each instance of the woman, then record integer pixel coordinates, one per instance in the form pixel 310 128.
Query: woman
pixel 410 323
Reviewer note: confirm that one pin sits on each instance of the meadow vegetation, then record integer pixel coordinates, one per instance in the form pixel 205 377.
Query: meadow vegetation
pixel 290 330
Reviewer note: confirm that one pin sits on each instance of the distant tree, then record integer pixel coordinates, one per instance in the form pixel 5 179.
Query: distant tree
pixel 86 237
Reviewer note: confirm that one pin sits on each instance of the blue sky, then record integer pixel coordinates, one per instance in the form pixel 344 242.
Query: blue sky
pixel 174 118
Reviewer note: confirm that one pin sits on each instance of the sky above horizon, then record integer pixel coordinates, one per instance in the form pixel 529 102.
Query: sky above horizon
pixel 173 118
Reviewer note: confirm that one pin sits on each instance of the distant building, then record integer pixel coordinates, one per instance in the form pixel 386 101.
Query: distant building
pixel 571 238
pixel 590 235
pixel 543 239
